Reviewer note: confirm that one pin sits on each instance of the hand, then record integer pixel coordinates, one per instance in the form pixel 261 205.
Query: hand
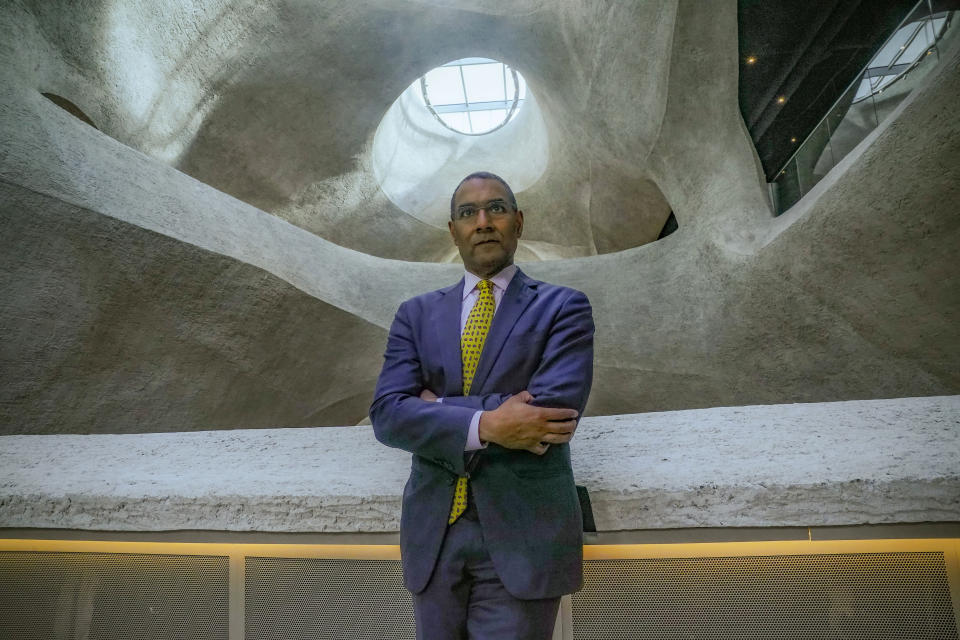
pixel 428 396
pixel 517 424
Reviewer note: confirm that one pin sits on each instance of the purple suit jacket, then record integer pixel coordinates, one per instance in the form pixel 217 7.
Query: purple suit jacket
pixel 541 340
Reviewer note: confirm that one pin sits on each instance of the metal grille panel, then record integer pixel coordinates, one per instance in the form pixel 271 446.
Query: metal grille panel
pixel 326 598
pixel 850 596
pixel 101 596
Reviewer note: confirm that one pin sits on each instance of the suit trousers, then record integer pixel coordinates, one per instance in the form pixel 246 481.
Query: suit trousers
pixel 465 598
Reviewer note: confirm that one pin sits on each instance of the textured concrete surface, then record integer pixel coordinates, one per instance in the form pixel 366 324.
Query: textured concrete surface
pixel 855 462
pixel 844 463
pixel 277 102
pixel 184 338
pixel 135 297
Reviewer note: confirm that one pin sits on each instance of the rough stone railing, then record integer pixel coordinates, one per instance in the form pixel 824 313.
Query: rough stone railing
pixel 823 464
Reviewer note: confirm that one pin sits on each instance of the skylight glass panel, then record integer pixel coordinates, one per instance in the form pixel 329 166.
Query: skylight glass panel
pixel 457 120
pixel 918 47
pixel 884 81
pixel 484 82
pixel 892 48
pixel 905 48
pixel 479 90
pixel 484 121
pixel 444 86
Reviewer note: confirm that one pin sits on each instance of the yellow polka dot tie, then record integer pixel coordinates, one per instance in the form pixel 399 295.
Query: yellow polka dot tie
pixel 471 345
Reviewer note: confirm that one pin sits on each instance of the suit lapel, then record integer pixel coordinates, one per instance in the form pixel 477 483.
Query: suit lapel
pixel 446 321
pixel 520 292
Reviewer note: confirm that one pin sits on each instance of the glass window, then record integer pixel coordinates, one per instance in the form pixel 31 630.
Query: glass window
pixel 458 121
pixel 445 85
pixel 901 52
pixel 484 82
pixel 473 96
pixel 484 121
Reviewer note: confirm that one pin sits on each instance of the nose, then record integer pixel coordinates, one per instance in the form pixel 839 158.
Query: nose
pixel 483 220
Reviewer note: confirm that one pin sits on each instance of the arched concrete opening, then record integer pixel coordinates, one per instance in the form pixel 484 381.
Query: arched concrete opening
pixel 627 215
pixel 416 159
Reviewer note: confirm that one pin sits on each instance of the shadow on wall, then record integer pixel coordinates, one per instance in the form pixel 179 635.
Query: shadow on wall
pixel 70 108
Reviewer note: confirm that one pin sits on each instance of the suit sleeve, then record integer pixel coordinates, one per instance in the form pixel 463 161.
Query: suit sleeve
pixel 487 402
pixel 436 431
pixel 565 373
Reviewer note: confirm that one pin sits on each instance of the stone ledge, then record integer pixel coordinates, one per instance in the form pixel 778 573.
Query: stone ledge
pixel 822 464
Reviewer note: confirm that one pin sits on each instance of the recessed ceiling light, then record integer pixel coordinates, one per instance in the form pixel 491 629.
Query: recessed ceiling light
pixel 781 99
pixel 751 59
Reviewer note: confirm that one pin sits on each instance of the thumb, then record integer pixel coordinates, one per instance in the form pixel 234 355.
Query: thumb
pixel 525 396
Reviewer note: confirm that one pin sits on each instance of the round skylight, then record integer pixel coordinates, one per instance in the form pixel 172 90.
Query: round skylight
pixel 473 96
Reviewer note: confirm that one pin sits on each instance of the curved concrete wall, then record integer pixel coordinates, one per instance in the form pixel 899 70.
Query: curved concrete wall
pixel 138 298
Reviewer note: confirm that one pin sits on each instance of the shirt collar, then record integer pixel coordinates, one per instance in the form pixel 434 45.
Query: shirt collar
pixel 500 281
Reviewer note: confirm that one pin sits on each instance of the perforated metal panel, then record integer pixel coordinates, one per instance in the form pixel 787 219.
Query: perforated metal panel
pixel 326 598
pixel 112 595
pixel 885 596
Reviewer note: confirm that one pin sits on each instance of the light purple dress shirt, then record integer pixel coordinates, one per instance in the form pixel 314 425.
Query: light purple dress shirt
pixel 470 294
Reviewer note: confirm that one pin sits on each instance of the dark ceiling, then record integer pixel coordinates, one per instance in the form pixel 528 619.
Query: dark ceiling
pixel 808 51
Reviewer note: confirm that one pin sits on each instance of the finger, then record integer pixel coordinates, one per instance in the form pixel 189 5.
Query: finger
pixel 567 426
pixel 525 396
pixel 557 438
pixel 539 449
pixel 550 413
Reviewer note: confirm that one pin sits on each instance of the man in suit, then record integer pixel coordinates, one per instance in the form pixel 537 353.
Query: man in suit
pixel 483 381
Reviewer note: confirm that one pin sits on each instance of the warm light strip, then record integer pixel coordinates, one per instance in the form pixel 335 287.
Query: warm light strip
pixel 590 552
pixel 767 548
pixel 350 551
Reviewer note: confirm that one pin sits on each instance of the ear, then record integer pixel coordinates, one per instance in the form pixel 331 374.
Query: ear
pixel 452 232
pixel 519 220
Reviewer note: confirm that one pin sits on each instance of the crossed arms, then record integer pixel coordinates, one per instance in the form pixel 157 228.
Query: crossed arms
pixel 544 412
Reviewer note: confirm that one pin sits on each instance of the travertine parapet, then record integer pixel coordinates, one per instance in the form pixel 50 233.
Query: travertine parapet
pixel 818 464
pixel 840 463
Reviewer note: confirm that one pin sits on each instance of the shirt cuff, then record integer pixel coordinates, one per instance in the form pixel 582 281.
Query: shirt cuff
pixel 473 435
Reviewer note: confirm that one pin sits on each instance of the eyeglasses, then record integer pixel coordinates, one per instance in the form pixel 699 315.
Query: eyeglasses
pixel 494 208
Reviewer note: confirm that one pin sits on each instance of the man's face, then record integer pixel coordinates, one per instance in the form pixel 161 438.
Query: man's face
pixel 485 227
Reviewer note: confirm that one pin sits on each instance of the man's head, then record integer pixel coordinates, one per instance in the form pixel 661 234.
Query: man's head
pixel 485 223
